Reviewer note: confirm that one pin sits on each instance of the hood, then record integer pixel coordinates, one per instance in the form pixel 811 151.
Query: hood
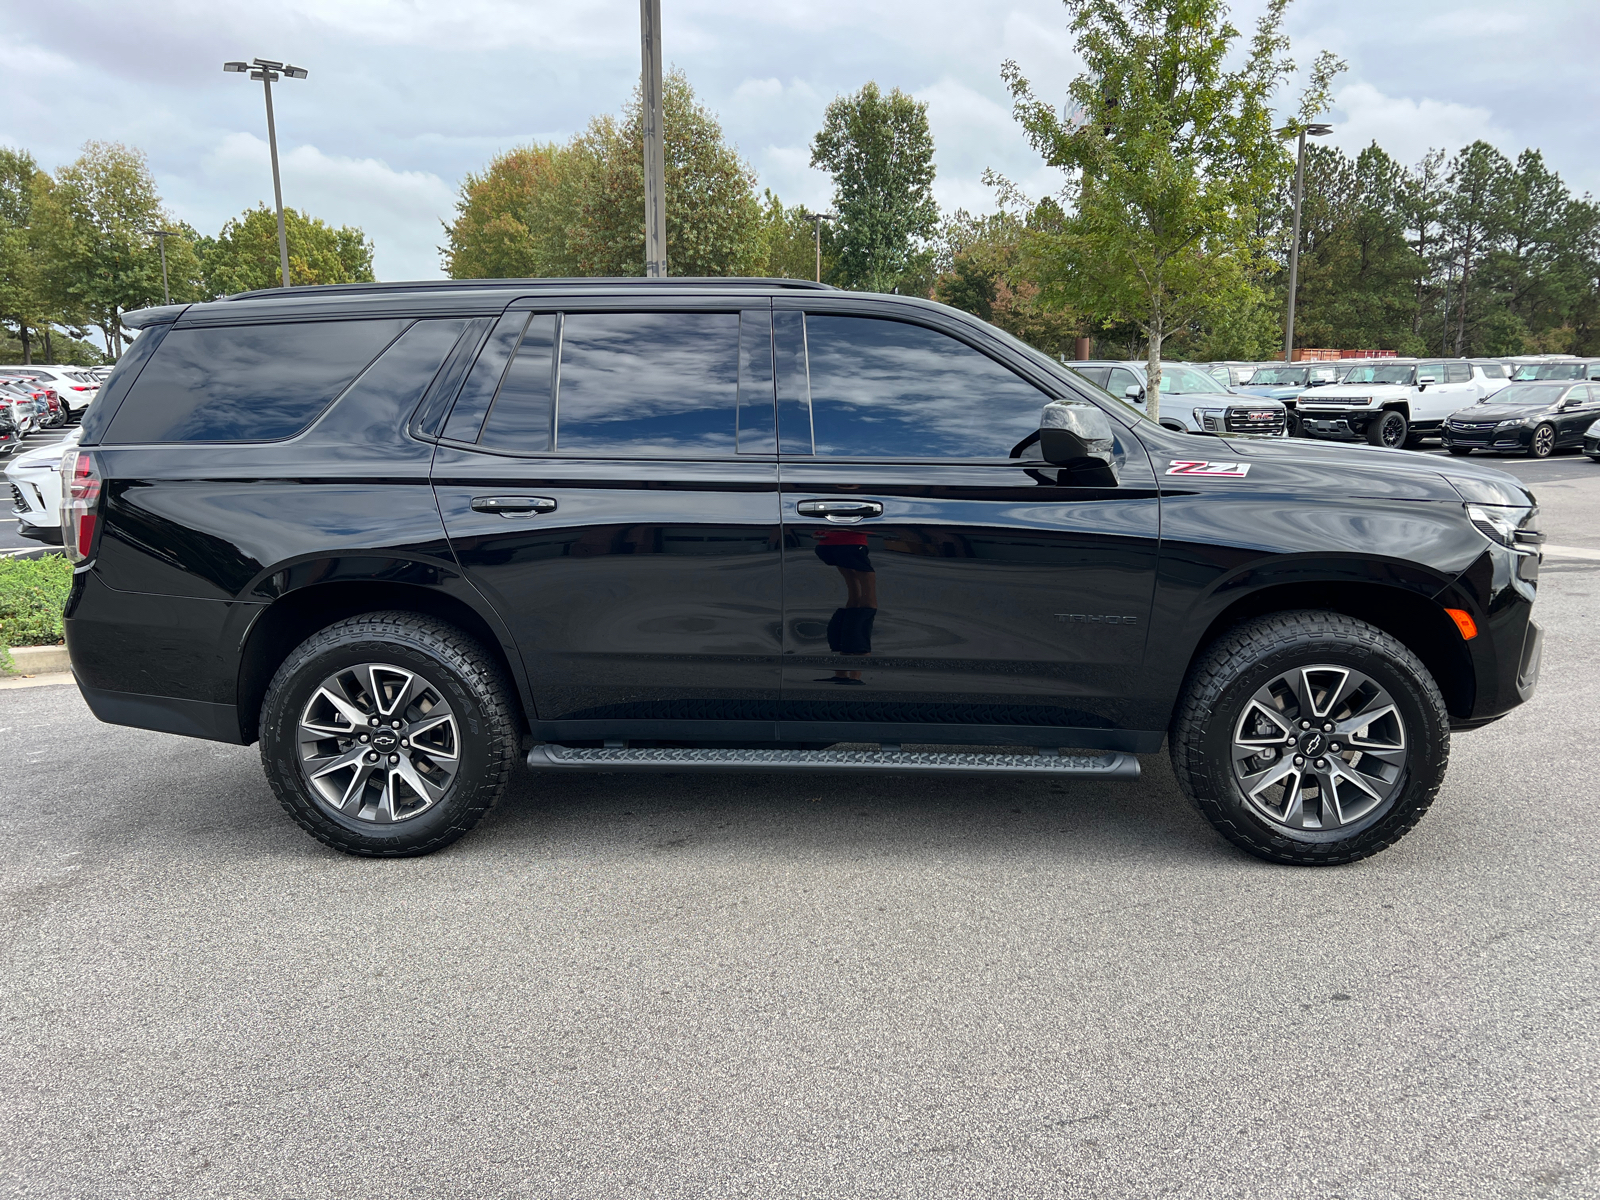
pixel 1344 391
pixel 1273 391
pixel 1358 470
pixel 44 455
pixel 1482 414
pixel 1219 399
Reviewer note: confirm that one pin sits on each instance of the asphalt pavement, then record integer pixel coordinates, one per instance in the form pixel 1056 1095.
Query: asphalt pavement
pixel 696 987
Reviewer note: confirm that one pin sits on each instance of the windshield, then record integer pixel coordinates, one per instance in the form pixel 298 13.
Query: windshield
pixel 1527 393
pixel 1280 377
pixel 1402 373
pixel 1186 381
pixel 1549 371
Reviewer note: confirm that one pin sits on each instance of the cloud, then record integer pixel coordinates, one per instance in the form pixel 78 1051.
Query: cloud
pixel 399 210
pixel 1408 128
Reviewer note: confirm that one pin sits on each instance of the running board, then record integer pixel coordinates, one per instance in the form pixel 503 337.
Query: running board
pixel 861 762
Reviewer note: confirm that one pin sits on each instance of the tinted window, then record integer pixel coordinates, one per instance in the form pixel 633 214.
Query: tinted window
pixel 246 383
pixel 648 383
pixel 521 414
pixel 483 381
pixel 887 389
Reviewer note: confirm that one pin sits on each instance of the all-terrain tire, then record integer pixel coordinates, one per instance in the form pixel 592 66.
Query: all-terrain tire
pixel 466 675
pixel 1389 428
pixel 1247 657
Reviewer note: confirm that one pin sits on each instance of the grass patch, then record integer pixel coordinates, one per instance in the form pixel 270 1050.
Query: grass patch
pixel 33 591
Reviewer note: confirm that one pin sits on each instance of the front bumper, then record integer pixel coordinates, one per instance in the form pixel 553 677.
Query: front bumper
pixel 1498 591
pixel 1345 425
pixel 1475 437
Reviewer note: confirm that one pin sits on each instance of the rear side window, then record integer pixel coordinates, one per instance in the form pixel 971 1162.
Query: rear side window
pixel 648 383
pixel 890 389
pixel 1459 372
pixel 246 383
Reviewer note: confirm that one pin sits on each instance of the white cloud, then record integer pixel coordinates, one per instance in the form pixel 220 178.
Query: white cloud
pixel 1408 128
pixel 399 210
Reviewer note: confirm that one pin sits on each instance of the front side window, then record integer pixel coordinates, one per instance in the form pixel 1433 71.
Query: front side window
pixel 1121 380
pixel 889 389
pixel 246 383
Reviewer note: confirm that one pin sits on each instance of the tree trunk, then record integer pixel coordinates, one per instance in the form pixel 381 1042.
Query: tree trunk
pixel 27 343
pixel 49 354
pixel 1152 364
pixel 1461 311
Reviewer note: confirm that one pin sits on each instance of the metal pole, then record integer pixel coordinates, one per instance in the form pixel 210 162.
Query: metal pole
pixel 816 225
pixel 1294 251
pixel 655 169
pixel 161 241
pixel 277 186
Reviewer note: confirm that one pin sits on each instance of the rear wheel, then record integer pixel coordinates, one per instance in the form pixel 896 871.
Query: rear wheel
pixel 1543 443
pixel 1388 429
pixel 388 734
pixel 1310 738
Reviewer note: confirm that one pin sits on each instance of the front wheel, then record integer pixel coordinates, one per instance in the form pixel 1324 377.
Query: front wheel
pixel 1543 443
pixel 1291 424
pixel 388 734
pixel 1388 429
pixel 1310 738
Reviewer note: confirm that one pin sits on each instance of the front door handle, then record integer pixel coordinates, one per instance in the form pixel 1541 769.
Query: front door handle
pixel 513 506
pixel 840 510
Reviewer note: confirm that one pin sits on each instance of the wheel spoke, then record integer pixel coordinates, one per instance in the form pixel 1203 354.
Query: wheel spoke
pixel 356 789
pixel 424 790
pixel 347 710
pixel 327 766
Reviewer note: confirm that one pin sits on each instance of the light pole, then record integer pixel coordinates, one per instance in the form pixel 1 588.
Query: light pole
pixel 816 220
pixel 161 236
pixel 655 163
pixel 268 71
pixel 1294 248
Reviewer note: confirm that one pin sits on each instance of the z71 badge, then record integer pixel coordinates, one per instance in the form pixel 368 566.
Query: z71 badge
pixel 1189 466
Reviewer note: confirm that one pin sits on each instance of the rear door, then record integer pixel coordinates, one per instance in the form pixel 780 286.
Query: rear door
pixel 608 480
pixel 931 577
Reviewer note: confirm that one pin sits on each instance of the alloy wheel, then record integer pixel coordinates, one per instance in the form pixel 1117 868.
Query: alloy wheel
pixel 1544 441
pixel 378 743
pixel 1393 430
pixel 1319 748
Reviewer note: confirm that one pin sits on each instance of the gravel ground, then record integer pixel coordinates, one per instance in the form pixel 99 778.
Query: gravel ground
pixel 687 986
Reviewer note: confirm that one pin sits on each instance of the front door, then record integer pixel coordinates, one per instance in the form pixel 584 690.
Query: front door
pixel 1581 411
pixel 935 585
pixel 608 480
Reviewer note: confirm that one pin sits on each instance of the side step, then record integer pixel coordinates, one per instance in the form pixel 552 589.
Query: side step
pixel 893 761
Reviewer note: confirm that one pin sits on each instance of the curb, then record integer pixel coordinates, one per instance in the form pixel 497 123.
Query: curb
pixel 41 660
pixel 53 679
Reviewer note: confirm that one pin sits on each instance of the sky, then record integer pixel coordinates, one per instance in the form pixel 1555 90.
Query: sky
pixel 405 97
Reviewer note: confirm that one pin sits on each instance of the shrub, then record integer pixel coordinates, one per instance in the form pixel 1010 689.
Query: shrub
pixel 33 591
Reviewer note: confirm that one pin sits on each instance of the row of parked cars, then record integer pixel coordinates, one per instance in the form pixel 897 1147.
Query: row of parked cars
pixel 38 399
pixel 1532 406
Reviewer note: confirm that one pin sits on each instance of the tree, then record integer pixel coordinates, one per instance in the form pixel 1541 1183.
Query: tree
pixel 244 256
pixel 985 266
pixel 792 241
pixel 93 235
pixel 23 301
pixel 1174 160
pixel 578 209
pixel 880 153
pixel 1472 219
pixel 511 221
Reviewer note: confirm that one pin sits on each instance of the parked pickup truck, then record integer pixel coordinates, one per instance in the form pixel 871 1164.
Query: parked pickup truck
pixel 1393 402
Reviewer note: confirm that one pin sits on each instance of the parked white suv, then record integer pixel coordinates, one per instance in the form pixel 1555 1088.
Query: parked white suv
pixel 1393 402
pixel 1191 399
pixel 35 479
pixel 74 385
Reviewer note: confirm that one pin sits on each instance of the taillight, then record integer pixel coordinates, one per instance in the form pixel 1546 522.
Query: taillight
pixel 78 508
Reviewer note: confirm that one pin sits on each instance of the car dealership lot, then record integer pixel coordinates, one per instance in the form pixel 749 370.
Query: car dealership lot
pixel 689 986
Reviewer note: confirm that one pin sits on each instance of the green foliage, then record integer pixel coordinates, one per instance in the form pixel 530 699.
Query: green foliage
pixel 879 151
pixel 791 239
pixel 24 300
pixel 1167 176
pixel 987 266
pixel 33 591
pixel 578 209
pixel 244 256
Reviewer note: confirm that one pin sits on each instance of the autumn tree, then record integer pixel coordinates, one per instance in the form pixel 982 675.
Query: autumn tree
pixel 244 256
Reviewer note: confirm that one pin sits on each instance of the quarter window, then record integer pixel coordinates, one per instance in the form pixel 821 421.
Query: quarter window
pixel 246 383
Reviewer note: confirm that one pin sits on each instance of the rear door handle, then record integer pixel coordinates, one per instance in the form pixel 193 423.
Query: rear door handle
pixel 840 510
pixel 513 506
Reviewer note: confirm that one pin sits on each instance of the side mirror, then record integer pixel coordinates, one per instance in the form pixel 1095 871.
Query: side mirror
pixel 1425 380
pixel 1133 393
pixel 1078 438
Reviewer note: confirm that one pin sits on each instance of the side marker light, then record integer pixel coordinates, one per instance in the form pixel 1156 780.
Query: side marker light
pixel 1464 622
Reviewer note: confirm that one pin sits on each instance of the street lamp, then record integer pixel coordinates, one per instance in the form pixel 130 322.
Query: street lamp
pixel 655 161
pixel 161 236
pixel 1294 249
pixel 268 72
pixel 816 220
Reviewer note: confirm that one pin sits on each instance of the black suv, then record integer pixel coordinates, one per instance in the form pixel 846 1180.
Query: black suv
pixel 406 535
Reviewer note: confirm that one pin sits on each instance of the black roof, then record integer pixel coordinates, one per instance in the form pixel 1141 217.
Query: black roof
pixel 708 282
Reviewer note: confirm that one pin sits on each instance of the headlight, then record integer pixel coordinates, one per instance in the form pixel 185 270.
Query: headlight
pixel 1513 423
pixel 1514 528
pixel 1212 420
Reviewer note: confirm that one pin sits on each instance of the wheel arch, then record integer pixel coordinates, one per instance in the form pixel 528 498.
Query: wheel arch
pixel 296 615
pixel 1416 620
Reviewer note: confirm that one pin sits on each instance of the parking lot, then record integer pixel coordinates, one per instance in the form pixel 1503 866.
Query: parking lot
pixel 11 542
pixel 686 986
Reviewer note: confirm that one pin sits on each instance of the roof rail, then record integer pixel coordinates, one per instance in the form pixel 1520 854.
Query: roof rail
pixel 428 285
